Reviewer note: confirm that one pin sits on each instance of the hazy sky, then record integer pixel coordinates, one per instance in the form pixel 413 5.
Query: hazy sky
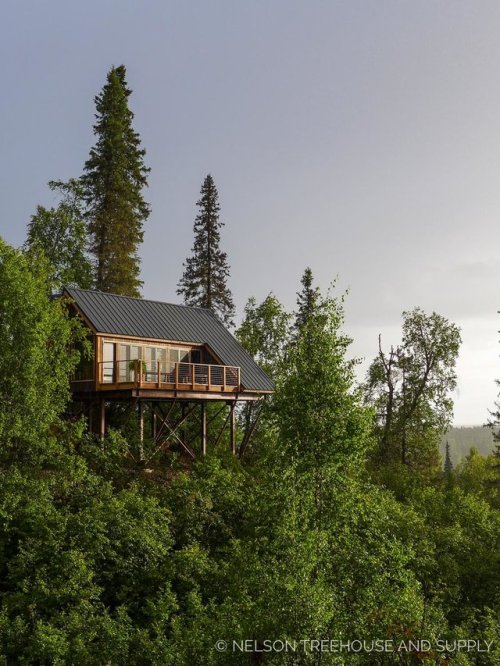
pixel 359 138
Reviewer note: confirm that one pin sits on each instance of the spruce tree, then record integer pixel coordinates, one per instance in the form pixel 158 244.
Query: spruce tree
pixel 204 281
pixel 448 465
pixel 307 300
pixel 113 180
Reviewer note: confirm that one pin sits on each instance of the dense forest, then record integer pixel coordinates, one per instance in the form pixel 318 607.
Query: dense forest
pixel 341 536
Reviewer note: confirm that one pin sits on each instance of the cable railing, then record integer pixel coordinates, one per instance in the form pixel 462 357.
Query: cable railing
pixel 161 374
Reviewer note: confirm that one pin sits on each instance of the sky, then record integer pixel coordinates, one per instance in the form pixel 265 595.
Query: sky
pixel 359 138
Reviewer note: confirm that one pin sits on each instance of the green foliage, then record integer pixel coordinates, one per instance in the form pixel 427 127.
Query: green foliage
pixel 204 281
pixel 85 571
pixel 457 546
pixel 103 561
pixel 410 388
pixel 308 300
pixel 114 176
pixel 478 474
pixel 448 465
pixel 61 235
pixel 326 556
pixel 35 361
pixel 264 332
pixel 323 421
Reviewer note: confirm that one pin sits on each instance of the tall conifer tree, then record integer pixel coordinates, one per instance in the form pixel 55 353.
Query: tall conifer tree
pixel 204 281
pixel 448 465
pixel 307 300
pixel 113 180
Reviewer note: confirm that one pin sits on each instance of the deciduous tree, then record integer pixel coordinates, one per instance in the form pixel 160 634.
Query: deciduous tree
pixel 410 387
pixel 264 332
pixel 61 235
pixel 35 355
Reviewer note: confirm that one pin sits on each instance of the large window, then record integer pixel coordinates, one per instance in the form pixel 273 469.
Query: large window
pixel 108 365
pixel 149 359
pixel 154 358
pixel 129 356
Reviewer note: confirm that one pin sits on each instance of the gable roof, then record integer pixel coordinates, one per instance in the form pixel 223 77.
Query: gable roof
pixel 140 318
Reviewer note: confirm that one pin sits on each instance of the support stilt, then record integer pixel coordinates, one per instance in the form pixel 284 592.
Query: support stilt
pixel 141 430
pixel 182 432
pixel 190 424
pixel 203 428
pixel 232 427
pixel 154 421
pixel 251 425
pixel 102 419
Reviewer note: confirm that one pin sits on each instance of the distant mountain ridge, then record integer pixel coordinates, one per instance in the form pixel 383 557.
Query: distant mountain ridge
pixel 462 439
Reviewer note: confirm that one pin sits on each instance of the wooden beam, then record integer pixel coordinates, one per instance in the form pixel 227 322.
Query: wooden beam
pixel 102 419
pixel 141 430
pixel 251 426
pixel 172 428
pixel 203 428
pixel 232 427
pixel 154 421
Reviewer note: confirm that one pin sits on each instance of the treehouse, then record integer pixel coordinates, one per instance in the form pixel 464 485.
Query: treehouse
pixel 156 356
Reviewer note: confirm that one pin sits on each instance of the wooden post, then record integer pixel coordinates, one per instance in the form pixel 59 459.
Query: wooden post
pixel 203 428
pixel 182 431
pixel 141 430
pixel 232 427
pixel 154 421
pixel 102 419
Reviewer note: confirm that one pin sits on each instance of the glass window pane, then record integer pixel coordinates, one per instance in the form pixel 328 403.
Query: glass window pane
pixel 124 371
pixel 108 366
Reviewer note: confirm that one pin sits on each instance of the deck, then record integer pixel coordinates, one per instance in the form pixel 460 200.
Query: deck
pixel 178 377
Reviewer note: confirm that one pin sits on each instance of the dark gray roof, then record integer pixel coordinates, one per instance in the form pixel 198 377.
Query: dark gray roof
pixel 137 317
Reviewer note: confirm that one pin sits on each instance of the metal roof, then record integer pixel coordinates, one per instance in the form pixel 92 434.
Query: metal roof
pixel 140 318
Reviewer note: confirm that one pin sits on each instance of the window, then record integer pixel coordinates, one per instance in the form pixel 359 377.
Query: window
pixel 129 354
pixel 108 364
pixel 120 362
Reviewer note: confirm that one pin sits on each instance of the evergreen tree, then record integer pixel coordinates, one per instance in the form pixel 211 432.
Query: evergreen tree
pixel 448 465
pixel 494 424
pixel 204 281
pixel 307 300
pixel 61 235
pixel 114 177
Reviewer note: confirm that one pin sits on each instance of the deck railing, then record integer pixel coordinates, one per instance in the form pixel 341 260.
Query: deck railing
pixel 180 376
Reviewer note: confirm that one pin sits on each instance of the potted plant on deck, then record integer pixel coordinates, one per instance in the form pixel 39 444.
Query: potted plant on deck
pixel 134 366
